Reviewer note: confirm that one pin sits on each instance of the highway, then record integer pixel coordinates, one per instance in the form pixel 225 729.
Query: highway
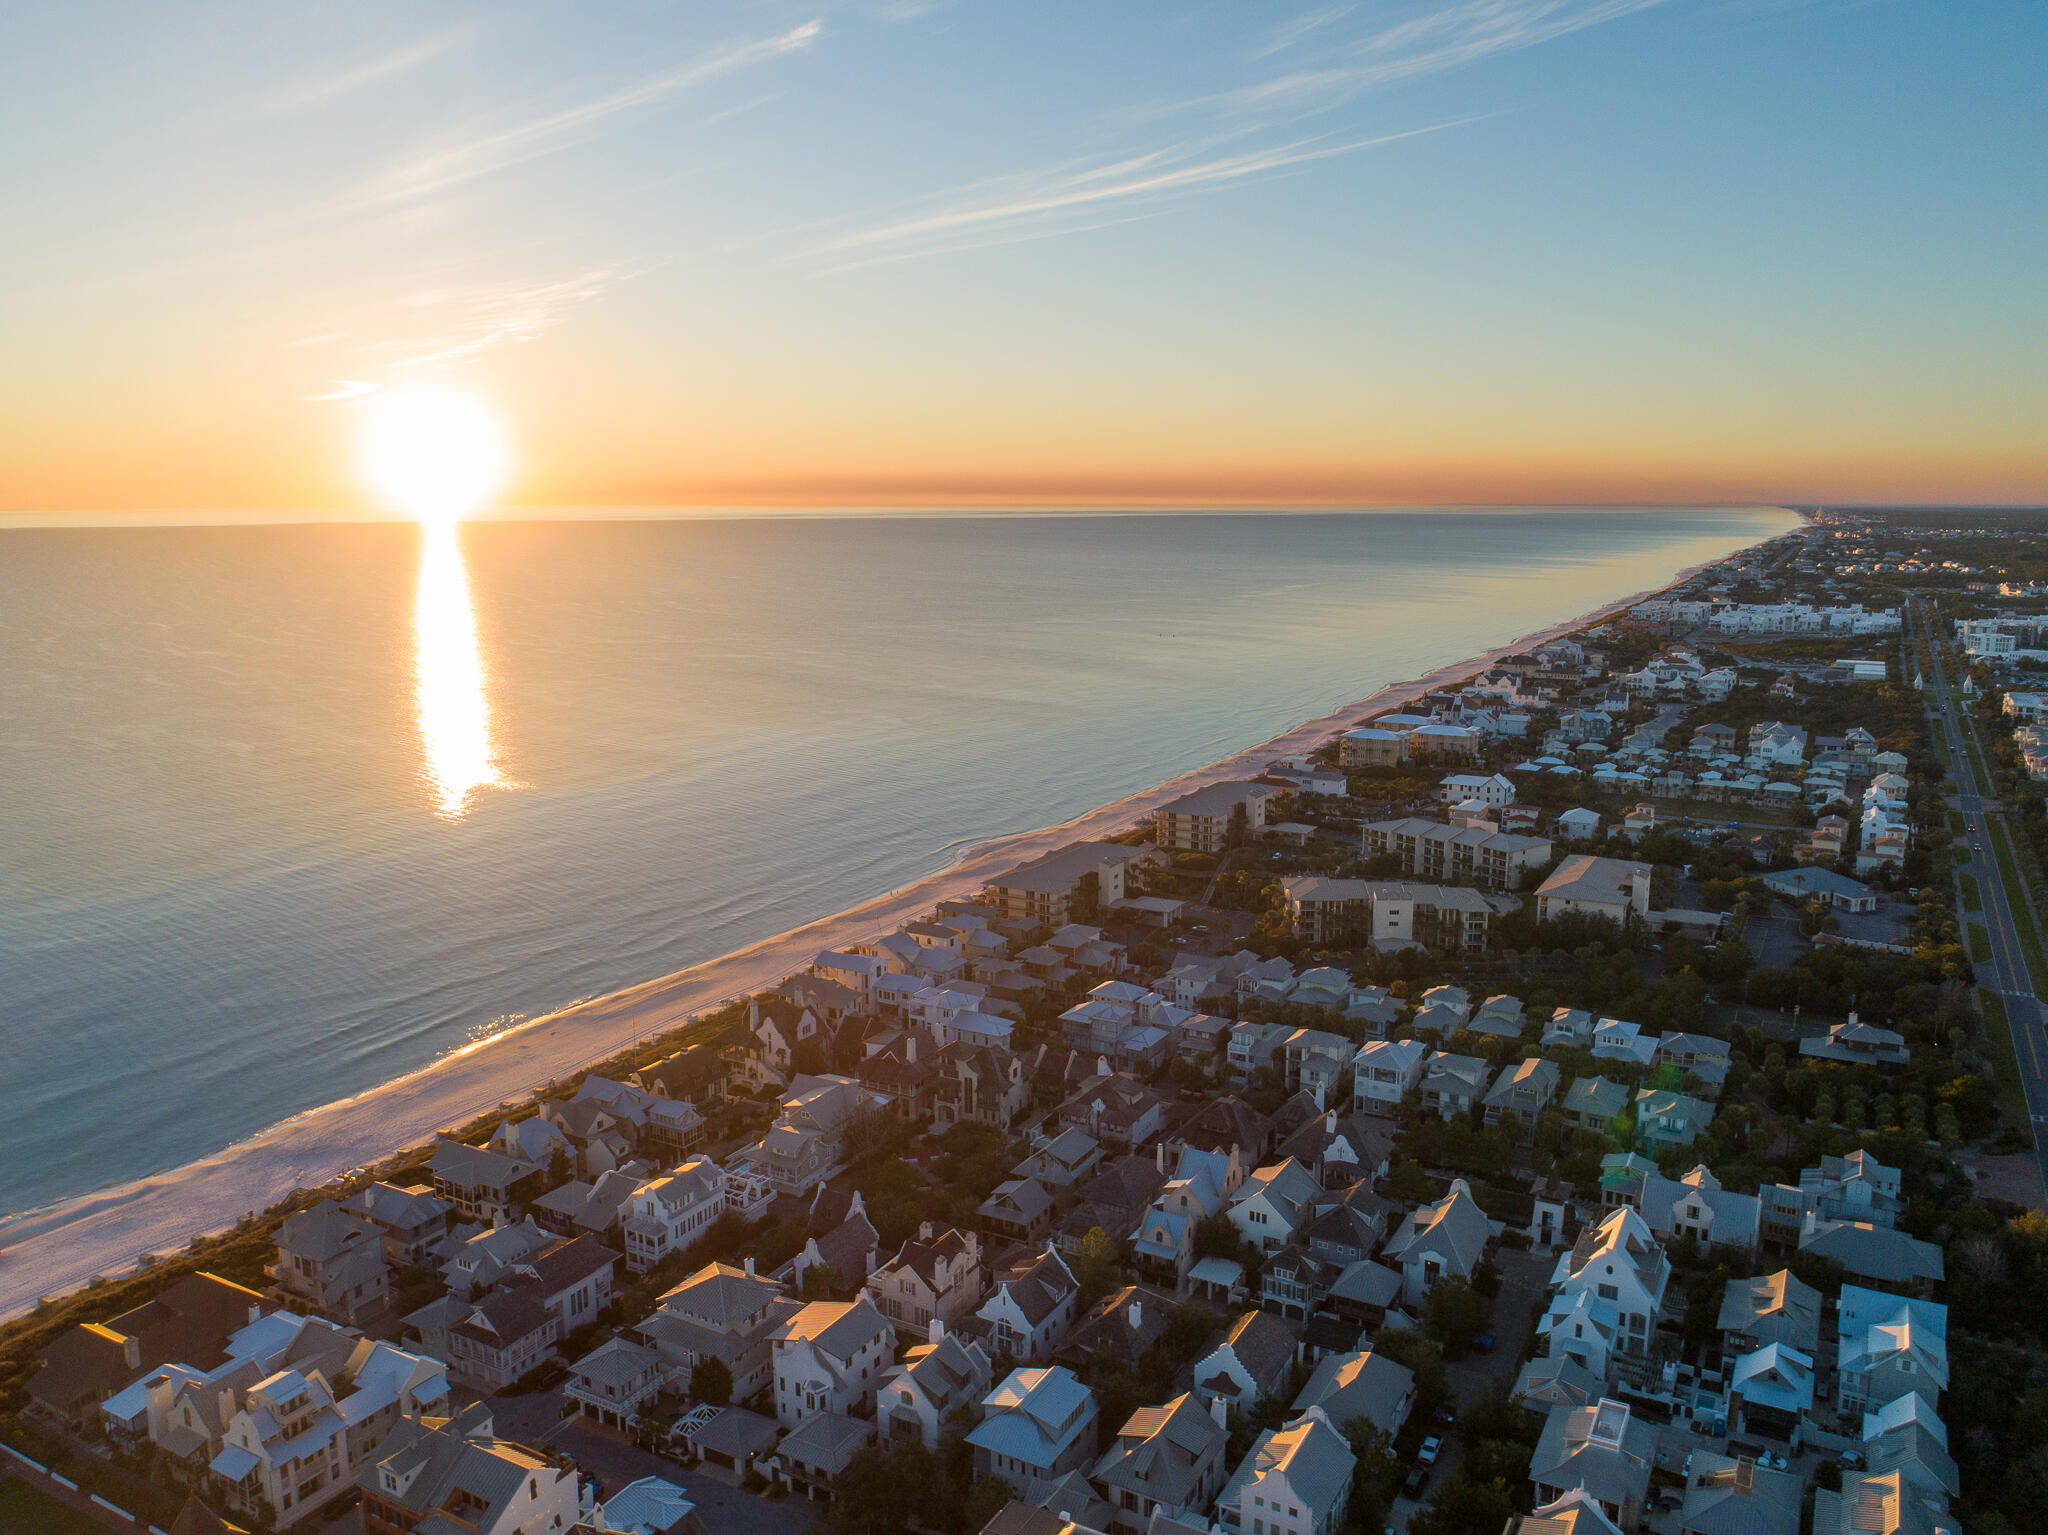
pixel 2006 971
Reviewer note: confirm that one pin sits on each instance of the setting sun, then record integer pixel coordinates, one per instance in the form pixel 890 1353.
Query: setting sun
pixel 433 453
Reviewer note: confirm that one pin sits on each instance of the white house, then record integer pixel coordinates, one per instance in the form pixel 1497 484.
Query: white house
pixel 830 1357
pixel 1438 1241
pixel 1610 1286
pixel 1032 1306
pixel 1385 1071
pixel 934 1381
pixel 1274 1203
pixel 1295 1481
pixel 669 1213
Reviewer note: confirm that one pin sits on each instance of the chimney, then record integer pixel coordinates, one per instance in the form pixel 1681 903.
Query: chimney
pixel 936 1332
pixel 1330 1122
pixel 1220 1411
pixel 910 1048
pixel 750 1268
pixel 255 1313
pixel 131 1351
pixel 1159 1156
pixel 924 1231
pixel 1136 1314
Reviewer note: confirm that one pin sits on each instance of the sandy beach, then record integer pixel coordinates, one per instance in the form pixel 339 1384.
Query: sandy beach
pixel 55 1250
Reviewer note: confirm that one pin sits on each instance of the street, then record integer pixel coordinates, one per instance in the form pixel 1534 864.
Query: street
pixel 2006 971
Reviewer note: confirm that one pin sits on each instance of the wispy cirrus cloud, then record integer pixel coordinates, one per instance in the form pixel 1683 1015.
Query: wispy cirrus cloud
pixel 426 174
pixel 1075 197
pixel 1426 43
pixel 1337 51
pixel 313 92
pixel 447 325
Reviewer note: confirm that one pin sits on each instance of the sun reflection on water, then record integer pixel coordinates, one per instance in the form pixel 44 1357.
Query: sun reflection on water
pixel 448 666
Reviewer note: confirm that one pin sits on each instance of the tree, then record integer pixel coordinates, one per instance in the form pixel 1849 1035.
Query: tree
pixel 1457 1314
pixel 1098 1267
pixel 711 1381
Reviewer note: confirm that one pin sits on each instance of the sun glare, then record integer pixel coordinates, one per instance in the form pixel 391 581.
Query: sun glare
pixel 434 454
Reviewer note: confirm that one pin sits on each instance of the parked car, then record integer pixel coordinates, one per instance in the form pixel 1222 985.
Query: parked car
pixel 1417 1480
pixel 1432 1447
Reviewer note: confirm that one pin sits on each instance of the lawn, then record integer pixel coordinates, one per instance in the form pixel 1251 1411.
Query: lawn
pixel 26 1508
pixel 1973 898
pixel 1980 943
pixel 1957 825
pixel 2005 1065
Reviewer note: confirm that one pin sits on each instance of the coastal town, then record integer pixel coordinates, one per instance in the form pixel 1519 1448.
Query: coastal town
pixel 1598 1097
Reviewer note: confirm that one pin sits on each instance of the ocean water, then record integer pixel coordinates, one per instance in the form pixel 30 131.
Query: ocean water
pixel 289 810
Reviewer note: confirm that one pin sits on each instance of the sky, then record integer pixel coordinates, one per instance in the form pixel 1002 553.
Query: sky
pixel 1027 252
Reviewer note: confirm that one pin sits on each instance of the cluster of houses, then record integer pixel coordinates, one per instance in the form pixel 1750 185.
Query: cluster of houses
pixel 1726 617
pixel 1632 1440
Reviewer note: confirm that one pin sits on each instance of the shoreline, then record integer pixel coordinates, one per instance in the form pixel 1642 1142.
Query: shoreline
pixel 60 1247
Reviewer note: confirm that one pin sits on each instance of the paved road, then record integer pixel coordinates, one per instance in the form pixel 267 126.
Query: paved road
pixel 2006 971
pixel 532 1419
pixel 1523 1278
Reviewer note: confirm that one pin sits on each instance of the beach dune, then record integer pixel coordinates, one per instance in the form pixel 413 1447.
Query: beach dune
pixel 57 1249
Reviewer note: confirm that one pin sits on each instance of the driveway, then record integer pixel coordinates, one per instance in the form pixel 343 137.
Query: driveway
pixel 1523 1278
pixel 533 1420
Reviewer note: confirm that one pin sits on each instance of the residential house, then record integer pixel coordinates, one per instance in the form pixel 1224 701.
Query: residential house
pixel 1602 1449
pixel 297 1441
pixel 1857 1187
pixel 1117 1110
pixel 1031 1308
pixel 1113 1201
pixel 934 1381
pixel 1889 1345
pixel 1121 1326
pixel 1165 1461
pixel 806 1145
pixel 830 1357
pixel 1385 1071
pixel 937 1276
pixel 1064 1161
pixel 1669 1119
pixel 1521 1093
pixel 596 1208
pixel 1606 1291
pixel 481 1184
pixel 413 1221
pixel 1439 1241
pixel 429 1472
pixel 665 1215
pixel 1273 1203
pixel 813 1455
pixel 1771 1392
pixel 616 1381
pixel 1727 1495
pixel 725 1313
pixel 1876 1253
pixel 1361 1385
pixel 190 1322
pixel 980 1085
pixel 1295 1481
pixel 1585 885
pixel 1069 884
pixel 1453 1084
pixel 1020 1209
pixel 1249 1366
pixel 332 1262
pixel 1038 1424
pixel 1594 1103
pixel 1770 1308
pixel 1858 1044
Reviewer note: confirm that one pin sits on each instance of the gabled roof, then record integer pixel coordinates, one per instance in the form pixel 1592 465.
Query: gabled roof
pixel 1261 1343
pixel 1360 1385
pixel 1454 1227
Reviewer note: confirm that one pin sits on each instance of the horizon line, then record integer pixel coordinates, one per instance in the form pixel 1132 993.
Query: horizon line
pixel 213 517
